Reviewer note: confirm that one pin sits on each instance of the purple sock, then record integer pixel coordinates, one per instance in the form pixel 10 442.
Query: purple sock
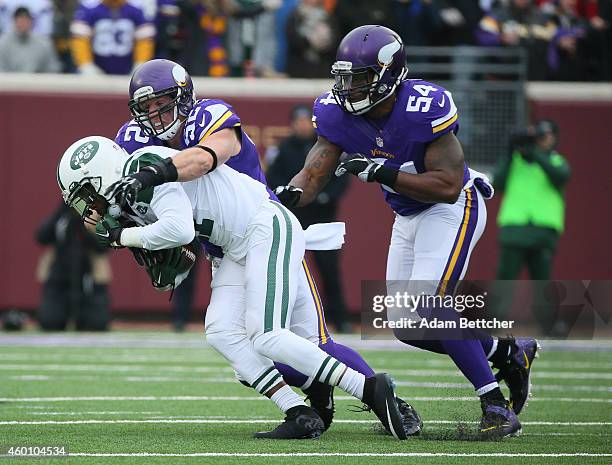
pixel 471 360
pixel 291 376
pixel 348 356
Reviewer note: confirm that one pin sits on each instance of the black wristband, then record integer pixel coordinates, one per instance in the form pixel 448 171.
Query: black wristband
pixel 212 154
pixel 386 176
pixel 158 173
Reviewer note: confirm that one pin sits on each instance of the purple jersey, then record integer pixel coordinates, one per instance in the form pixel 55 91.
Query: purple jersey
pixel 112 32
pixel 422 113
pixel 206 117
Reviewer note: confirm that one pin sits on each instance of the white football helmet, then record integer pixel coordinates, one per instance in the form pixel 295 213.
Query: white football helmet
pixel 87 168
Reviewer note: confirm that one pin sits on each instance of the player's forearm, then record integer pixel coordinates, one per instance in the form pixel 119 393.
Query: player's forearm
pixel 428 187
pixel 195 162
pixel 310 184
pixel 165 233
pixel 212 151
pixel 318 169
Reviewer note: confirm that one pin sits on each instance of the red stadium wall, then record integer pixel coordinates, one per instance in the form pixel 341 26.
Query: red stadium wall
pixel 37 127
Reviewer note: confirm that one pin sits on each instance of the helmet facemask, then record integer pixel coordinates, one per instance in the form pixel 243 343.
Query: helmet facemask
pixel 85 198
pixel 361 89
pixel 151 122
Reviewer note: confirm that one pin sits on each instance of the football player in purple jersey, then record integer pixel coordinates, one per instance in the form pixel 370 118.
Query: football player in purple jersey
pixel 400 133
pixel 110 36
pixel 208 132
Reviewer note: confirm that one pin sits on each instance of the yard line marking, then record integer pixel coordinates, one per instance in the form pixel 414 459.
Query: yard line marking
pixel 112 368
pixel 394 364
pixel 339 454
pixel 261 398
pixel 156 340
pixel 126 412
pixel 206 369
pixel 155 379
pixel 265 420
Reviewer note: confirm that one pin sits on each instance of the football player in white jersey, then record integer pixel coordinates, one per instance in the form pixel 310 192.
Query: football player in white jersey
pixel 263 244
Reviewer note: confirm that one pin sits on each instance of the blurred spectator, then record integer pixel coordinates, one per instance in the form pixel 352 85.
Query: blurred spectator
pixel 75 274
pixel 531 216
pixel 417 22
pixel 460 19
pixel 167 26
pixel 199 41
pixel 23 51
pixel 350 14
pixel 110 36
pixel 40 10
pixel 520 23
pixel 282 15
pixel 251 37
pixel 213 21
pixel 311 40
pixel 604 23
pixel 62 17
pixel 575 51
pixel 288 162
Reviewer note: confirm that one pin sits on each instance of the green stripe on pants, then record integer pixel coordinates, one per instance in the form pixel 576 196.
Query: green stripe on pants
pixel 286 258
pixel 271 284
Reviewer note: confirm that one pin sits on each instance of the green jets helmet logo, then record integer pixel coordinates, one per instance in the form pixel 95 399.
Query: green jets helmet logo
pixel 83 154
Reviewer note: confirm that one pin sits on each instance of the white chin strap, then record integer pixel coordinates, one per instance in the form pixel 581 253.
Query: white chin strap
pixel 171 131
pixel 358 107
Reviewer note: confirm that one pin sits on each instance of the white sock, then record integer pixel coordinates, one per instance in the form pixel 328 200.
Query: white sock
pixel 285 398
pixel 336 373
pixel 352 382
pixel 487 388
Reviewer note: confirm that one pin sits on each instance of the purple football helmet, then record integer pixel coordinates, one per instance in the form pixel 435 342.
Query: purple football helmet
pixel 160 78
pixel 370 63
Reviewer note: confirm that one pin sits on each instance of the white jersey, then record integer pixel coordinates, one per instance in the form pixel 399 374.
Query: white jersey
pixel 223 204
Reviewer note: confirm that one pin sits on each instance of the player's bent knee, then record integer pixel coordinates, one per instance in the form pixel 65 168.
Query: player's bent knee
pixel 223 341
pixel 269 343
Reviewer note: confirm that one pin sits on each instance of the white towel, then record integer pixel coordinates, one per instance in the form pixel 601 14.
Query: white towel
pixel 482 183
pixel 325 236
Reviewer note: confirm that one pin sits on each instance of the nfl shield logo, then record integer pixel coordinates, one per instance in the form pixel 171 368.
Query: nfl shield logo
pixel 379 141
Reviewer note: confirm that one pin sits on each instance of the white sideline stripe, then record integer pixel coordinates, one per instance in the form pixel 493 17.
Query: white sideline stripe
pixel 189 361
pixel 338 454
pixel 127 358
pixel 266 420
pixel 205 369
pixel 112 368
pixel 170 379
pixel 249 398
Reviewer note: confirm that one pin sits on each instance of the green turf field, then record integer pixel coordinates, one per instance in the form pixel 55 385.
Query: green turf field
pixel 161 398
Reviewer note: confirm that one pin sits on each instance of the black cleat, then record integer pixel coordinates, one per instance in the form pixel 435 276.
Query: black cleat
pixel 410 418
pixel 321 397
pixel 379 396
pixel 498 421
pixel 516 371
pixel 301 422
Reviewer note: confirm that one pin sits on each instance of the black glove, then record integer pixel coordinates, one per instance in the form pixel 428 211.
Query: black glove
pixel 289 196
pixel 108 231
pixel 124 191
pixel 367 170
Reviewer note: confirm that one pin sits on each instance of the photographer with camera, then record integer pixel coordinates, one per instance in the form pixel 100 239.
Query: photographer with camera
pixel 532 212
